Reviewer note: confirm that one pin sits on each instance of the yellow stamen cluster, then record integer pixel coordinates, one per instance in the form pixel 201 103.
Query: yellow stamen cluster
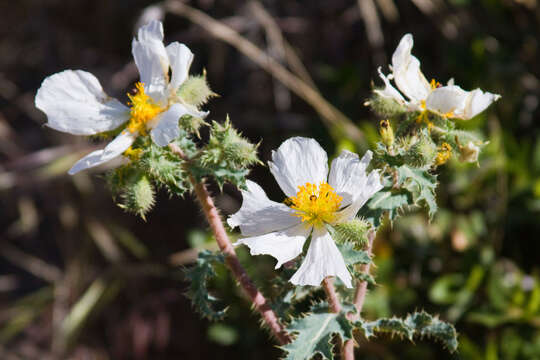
pixel 314 204
pixel 132 154
pixel 143 109
pixel 444 154
pixel 434 84
pixel 424 115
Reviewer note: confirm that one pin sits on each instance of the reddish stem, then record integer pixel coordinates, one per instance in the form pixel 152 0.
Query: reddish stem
pixel 359 297
pixel 238 271
pixel 333 300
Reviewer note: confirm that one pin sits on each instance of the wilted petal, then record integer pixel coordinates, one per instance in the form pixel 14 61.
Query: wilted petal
pixel 371 185
pixel 447 99
pixel 259 215
pixel 348 174
pixel 298 161
pixel 389 91
pixel 322 259
pixel 477 102
pixel 151 59
pixel 167 128
pixel 284 245
pixel 407 75
pixel 114 149
pixel 180 58
pixel 75 102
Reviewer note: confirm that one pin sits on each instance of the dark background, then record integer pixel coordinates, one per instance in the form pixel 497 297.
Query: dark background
pixel 64 243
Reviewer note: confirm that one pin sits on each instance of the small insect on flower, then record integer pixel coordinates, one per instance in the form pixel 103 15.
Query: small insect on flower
pixel 448 101
pixel 316 198
pixel 75 102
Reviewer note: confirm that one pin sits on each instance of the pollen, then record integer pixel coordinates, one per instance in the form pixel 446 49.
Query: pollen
pixel 444 154
pixel 434 84
pixel 314 204
pixel 133 154
pixel 143 109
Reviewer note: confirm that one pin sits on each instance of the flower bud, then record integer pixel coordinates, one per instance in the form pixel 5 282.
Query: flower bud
pixel 195 90
pixel 384 106
pixel 353 231
pixel 387 133
pixel 422 153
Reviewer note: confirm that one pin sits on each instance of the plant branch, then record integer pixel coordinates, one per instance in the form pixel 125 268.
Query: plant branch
pixel 238 271
pixel 333 300
pixel 359 298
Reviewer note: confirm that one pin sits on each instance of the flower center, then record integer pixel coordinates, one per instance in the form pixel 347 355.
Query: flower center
pixel 315 204
pixel 143 109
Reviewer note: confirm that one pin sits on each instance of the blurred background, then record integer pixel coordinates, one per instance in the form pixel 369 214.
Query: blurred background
pixel 81 279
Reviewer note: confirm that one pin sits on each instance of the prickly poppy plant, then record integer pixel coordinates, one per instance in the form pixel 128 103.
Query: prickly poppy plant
pixel 322 233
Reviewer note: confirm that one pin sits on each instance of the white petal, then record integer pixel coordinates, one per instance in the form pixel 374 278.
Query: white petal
pixel 447 99
pixel 284 245
pixel 259 215
pixel 180 58
pixel 75 102
pixel 298 161
pixel 407 74
pixel 348 174
pixel 389 91
pixel 167 128
pixel 114 149
pixel 151 59
pixel 477 102
pixel 369 187
pixel 322 259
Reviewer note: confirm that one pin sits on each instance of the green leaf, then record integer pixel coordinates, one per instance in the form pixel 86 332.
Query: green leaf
pixel 419 324
pixel 388 200
pixel 314 333
pixel 421 184
pixel 353 256
pixel 198 291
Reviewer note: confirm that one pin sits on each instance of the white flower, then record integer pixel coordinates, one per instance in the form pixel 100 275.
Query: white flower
pixel 75 102
pixel 421 95
pixel 317 198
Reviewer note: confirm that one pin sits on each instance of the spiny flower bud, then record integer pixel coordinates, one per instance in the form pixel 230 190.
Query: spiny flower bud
pixel 227 144
pixel 353 231
pixel 444 154
pixel 195 90
pixel 422 153
pixel 138 195
pixel 385 107
pixel 387 133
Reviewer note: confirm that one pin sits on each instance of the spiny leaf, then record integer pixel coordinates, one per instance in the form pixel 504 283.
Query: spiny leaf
pixel 353 256
pixel 421 184
pixel 198 291
pixel 314 333
pixel 389 201
pixel 419 324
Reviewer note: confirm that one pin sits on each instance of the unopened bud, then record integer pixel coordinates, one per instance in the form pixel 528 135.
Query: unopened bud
pixel 195 90
pixel 387 133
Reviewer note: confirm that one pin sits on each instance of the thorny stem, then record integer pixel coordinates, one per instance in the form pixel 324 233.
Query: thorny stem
pixel 359 297
pixel 333 300
pixel 238 271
